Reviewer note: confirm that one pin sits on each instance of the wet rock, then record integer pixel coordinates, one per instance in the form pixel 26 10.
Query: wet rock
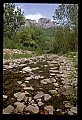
pixel 74 110
pixel 39 95
pixel 28 88
pixel 49 108
pixel 20 107
pixel 34 109
pixel 53 92
pixel 47 97
pixel 8 110
pixel 21 97
pixel 27 69
pixel 5 96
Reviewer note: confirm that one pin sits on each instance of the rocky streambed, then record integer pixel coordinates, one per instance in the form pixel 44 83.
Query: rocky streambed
pixel 39 85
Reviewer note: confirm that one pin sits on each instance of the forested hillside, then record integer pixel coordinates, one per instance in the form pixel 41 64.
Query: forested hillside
pixel 60 39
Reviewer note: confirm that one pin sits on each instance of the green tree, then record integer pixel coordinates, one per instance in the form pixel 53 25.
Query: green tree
pixel 67 17
pixel 12 19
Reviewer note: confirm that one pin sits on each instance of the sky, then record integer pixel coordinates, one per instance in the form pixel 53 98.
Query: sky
pixel 36 11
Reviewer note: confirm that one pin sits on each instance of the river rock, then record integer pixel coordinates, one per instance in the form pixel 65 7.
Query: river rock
pixel 39 95
pixel 28 88
pixel 28 78
pixel 49 108
pixel 17 94
pixel 23 85
pixel 36 68
pixel 43 82
pixel 40 103
pixel 61 89
pixel 8 110
pixel 70 113
pixel 26 81
pixel 21 97
pixel 52 74
pixel 19 82
pixel 5 96
pixel 20 107
pixel 53 80
pixel 27 93
pixel 54 92
pixel 74 110
pixel 47 97
pixel 27 69
pixel 34 109
pixel 56 84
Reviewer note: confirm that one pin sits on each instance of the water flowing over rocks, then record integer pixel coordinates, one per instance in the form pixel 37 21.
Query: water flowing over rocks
pixel 39 85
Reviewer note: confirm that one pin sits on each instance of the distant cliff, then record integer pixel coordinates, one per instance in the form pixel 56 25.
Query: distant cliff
pixel 42 23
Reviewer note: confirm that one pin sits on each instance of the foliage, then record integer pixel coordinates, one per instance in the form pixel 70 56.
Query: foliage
pixel 60 40
pixel 12 19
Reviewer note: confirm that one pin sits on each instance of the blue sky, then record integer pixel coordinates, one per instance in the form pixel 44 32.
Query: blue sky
pixel 37 10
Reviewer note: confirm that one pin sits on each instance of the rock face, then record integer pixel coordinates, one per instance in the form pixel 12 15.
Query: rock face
pixel 45 23
pixel 42 23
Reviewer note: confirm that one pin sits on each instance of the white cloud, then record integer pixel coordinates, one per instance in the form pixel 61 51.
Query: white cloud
pixel 35 16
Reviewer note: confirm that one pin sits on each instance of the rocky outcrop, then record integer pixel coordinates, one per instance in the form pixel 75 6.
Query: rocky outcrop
pixel 43 23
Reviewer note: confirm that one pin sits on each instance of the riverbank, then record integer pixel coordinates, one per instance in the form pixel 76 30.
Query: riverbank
pixel 40 85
